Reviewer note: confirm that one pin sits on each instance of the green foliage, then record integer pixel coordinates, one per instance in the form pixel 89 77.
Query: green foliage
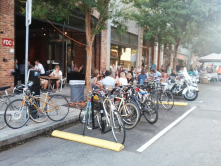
pixel 177 22
pixel 53 9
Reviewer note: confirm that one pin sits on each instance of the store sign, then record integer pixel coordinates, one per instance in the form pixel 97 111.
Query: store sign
pixel 180 56
pixel 7 42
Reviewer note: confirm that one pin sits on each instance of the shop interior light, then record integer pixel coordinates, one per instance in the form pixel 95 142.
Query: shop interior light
pixel 33 34
pixel 42 28
pixel 44 34
pixel 65 33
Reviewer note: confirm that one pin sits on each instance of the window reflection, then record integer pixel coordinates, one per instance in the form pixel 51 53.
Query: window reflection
pixel 123 56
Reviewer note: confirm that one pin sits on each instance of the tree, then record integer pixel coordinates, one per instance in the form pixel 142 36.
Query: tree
pixel 64 9
pixel 176 22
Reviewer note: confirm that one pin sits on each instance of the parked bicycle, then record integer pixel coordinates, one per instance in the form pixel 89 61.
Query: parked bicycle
pixel 108 116
pixel 4 101
pixel 159 92
pixel 19 111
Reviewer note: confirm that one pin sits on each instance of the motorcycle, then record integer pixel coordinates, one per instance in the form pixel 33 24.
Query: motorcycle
pixel 183 85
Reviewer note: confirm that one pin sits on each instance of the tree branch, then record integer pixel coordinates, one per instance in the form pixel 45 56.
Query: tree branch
pixel 102 15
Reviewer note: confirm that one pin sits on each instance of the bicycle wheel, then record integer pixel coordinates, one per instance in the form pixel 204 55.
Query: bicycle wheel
pixel 118 129
pixel 57 108
pixel 153 98
pixel 35 114
pixel 97 117
pixel 150 111
pixel 81 114
pixel 167 100
pixel 130 115
pixel 18 112
pixel 85 122
pixel 2 111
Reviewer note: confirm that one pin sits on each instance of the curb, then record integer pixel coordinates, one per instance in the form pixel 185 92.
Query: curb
pixel 30 133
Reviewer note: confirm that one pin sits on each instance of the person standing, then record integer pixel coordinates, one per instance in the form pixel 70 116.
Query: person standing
pixel 142 77
pixel 133 73
pixel 162 68
pixel 113 71
pixel 153 66
pixel 169 69
pixel 219 73
pixel 75 69
pixel 39 67
pixel 16 64
pixel 138 70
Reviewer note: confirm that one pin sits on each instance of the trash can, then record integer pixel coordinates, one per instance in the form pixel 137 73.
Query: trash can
pixel 77 90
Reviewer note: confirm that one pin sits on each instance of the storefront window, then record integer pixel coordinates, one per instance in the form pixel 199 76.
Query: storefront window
pixel 125 38
pixel 123 56
pixel 133 40
pixel 114 35
pixel 123 49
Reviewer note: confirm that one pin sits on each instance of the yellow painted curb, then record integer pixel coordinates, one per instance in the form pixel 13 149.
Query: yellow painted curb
pixel 175 103
pixel 88 140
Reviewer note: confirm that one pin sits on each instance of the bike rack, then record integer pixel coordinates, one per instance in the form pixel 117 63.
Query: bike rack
pixel 102 115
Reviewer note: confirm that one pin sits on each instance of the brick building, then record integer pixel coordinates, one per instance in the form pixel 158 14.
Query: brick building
pixel 7 31
pixel 50 47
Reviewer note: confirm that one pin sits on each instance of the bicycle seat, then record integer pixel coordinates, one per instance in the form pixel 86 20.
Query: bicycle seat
pixel 46 90
pixel 4 88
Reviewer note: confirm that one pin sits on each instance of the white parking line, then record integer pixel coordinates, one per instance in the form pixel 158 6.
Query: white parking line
pixel 197 101
pixel 156 137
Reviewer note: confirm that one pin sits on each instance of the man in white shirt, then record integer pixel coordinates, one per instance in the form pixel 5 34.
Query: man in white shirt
pixel 109 81
pixel 39 67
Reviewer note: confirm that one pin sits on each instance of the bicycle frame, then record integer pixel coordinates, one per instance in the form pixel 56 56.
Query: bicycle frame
pixel 45 103
pixel 6 98
pixel 109 121
pixel 88 111
pixel 121 103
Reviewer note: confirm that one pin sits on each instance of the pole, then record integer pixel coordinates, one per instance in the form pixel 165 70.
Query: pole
pixel 26 55
pixel 28 22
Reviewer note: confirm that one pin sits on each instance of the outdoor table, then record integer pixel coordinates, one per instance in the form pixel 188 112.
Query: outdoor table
pixel 49 78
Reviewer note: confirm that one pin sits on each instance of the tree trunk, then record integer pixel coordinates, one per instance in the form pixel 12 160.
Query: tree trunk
pixel 88 70
pixel 90 39
pixel 175 55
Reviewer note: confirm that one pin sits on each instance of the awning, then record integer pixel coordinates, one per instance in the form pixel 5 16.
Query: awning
pixel 211 58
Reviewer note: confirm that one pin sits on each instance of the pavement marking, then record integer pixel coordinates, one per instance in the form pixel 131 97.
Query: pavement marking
pixel 156 137
pixel 215 121
pixel 197 101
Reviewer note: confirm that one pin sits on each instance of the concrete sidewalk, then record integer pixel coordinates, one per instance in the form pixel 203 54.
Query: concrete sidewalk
pixel 32 129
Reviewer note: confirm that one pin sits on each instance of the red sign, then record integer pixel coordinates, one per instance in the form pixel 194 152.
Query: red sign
pixel 7 42
pixel 180 56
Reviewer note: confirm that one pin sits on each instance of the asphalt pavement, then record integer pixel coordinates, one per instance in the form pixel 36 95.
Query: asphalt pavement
pixel 195 140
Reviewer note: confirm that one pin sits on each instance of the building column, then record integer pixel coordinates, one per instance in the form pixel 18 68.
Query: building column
pixel 7 31
pixel 139 47
pixel 149 58
pixel 108 44
pixel 156 53
pixel 161 56
pixel 103 57
pixel 171 56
